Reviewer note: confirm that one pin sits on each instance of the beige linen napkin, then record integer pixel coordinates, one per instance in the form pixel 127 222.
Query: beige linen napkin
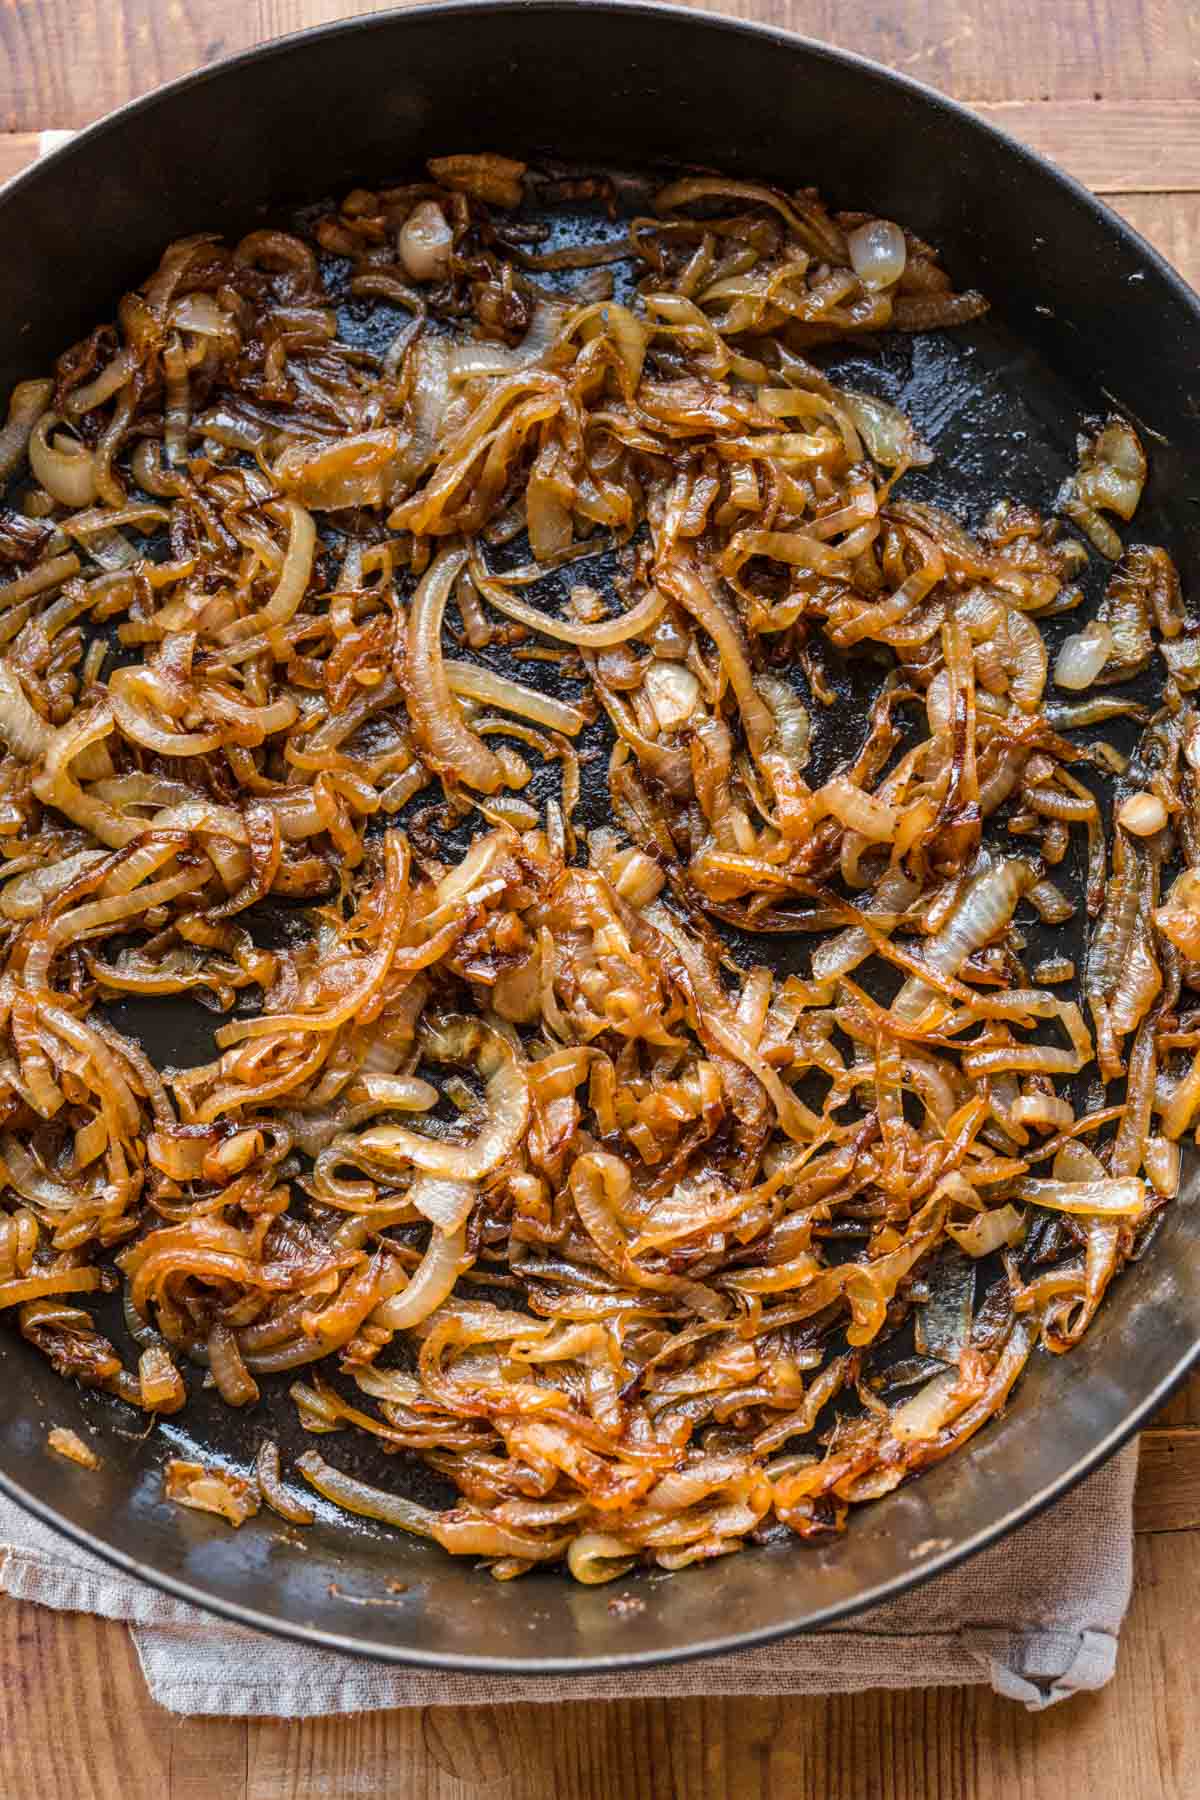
pixel 1037 1616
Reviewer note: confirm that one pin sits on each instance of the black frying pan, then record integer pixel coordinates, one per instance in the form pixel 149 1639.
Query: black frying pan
pixel 1085 315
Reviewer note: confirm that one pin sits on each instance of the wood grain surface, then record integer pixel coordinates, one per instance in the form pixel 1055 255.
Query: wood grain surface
pixel 1108 89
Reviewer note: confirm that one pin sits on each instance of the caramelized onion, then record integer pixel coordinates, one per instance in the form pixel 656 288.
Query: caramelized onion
pixel 425 241
pixel 512 696
pixel 435 1276
pixel 444 1202
pixel 1126 1197
pixel 590 636
pixel 65 467
pixel 878 253
pixel 1082 657
pixel 217 1491
pixel 68 1443
pixel 435 715
pixel 25 734
pixel 26 405
pixel 506 1093
pixel 515 1135
pixel 293 580
pixel 270 1486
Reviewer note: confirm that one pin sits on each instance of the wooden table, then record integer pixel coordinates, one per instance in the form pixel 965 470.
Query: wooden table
pixel 1109 89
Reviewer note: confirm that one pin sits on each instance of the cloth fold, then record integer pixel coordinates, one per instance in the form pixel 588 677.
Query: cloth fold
pixel 1037 1616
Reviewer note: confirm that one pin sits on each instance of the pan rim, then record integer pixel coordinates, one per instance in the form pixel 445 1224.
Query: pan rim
pixel 91 138
pixel 838 1611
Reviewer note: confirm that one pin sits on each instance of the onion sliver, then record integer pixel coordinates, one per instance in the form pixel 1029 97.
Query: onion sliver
pixel 1123 1197
pixel 485 685
pixel 929 1410
pixel 506 1091
pixel 436 717
pixel 455 1531
pixel 1082 657
pixel 433 1279
pixel 270 1486
pixel 859 811
pixel 595 635
pixel 291 586
pixel 988 1231
pixel 23 732
pixel 66 468
pixel 878 253
pixel 445 1203
pixel 25 407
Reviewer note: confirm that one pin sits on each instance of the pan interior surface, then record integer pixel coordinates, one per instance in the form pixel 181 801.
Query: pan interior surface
pixel 1084 316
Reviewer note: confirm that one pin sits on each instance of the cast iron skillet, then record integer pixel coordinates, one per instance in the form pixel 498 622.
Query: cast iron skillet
pixel 1086 314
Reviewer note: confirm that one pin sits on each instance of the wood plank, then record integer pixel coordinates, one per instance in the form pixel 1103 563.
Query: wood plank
pixel 1141 1737
pixel 1184 1409
pixel 1171 222
pixel 1155 1698
pixel 67 63
pixel 1021 50
pixel 77 1750
pixel 1112 146
pixel 373 1754
pixel 17 149
pixel 1168 1489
